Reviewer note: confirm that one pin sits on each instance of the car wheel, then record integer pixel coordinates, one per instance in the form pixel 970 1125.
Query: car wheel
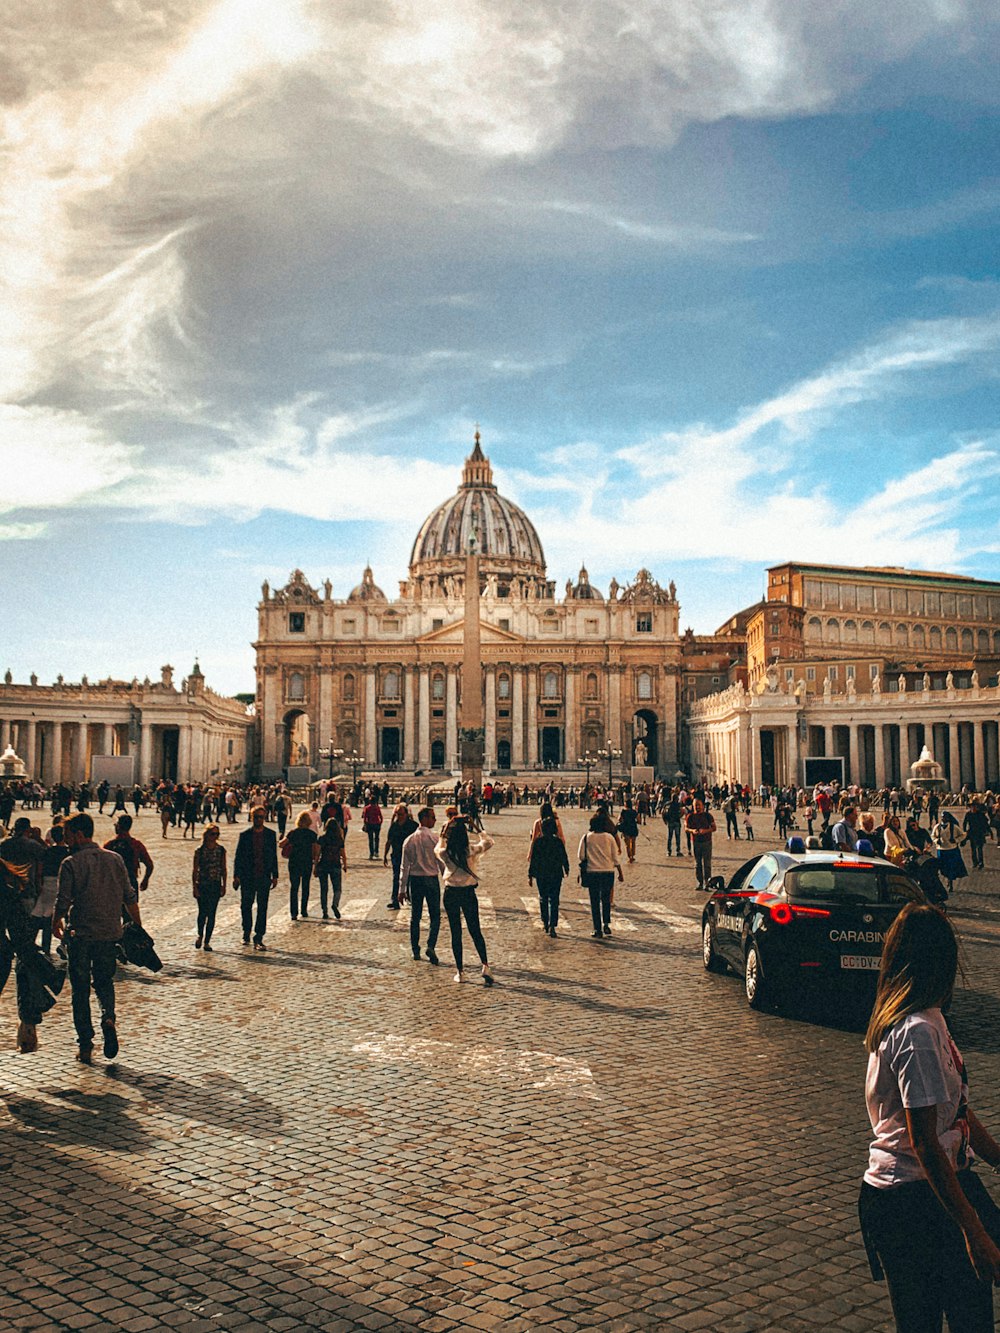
pixel 712 961
pixel 753 980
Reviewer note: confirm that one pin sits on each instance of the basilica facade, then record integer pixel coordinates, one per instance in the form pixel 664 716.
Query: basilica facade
pixel 379 679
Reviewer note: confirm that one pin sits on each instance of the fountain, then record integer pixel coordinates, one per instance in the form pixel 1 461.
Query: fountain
pixel 11 765
pixel 925 774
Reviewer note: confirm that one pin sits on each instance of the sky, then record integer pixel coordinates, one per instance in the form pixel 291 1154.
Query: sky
pixel 717 279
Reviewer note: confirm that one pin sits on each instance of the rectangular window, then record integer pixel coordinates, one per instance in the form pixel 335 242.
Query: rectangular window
pixel 505 624
pixel 592 627
pixel 437 712
pixel 810 673
pixel 813 592
pixel 347 627
pixel 297 622
pixel 230 750
pixel 932 603
pixel 789 673
pixel 388 712
pixel 948 605
pixel 866 597
pixel 883 601
pixel 873 670
pixel 644 622
pixel 550 712
pixel 832 672
pixel 850 672
pixel 848 596
pixel 437 623
pixel 916 602
pixel 503 712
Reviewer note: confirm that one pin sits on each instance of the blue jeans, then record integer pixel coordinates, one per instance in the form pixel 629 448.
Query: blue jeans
pixel 91 962
pixel 674 837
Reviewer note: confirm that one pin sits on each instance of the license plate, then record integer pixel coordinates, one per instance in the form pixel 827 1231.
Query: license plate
pixel 860 962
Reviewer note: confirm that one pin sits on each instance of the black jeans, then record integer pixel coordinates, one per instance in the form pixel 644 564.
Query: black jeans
pixel 731 826
pixel 373 837
pixel 299 875
pixel 208 904
pixel 548 899
pixel 251 893
pixel 673 837
pixel 703 859
pixel 426 889
pixel 599 886
pixel 396 862
pixel 459 902
pixel 923 1256
pixel 327 878
pixel 976 848
pixel 91 962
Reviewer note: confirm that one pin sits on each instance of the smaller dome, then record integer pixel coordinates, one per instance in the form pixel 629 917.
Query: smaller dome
pixel 367 590
pixel 585 590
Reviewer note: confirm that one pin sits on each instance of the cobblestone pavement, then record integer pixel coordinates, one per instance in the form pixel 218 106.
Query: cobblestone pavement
pixel 332 1136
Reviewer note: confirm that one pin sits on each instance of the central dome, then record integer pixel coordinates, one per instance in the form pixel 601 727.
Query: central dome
pixel 478 514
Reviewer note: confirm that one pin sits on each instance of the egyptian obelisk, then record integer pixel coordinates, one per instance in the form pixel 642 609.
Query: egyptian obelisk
pixel 472 738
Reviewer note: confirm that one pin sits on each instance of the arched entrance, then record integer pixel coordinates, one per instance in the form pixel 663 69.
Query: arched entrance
pixel 295 750
pixel 503 754
pixel 437 754
pixel 644 737
pixel 390 747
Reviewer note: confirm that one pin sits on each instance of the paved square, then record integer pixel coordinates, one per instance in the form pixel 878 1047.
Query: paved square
pixel 332 1136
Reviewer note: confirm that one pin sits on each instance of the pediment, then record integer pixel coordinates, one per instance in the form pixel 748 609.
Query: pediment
pixel 455 634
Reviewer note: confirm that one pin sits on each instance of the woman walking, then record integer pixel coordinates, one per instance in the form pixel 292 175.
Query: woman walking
pixel 400 827
pixel 371 822
pixel 330 867
pixel 948 841
pixel 459 859
pixel 300 848
pixel 598 857
pixel 208 881
pixel 548 864
pixel 929 1225
pixel 628 827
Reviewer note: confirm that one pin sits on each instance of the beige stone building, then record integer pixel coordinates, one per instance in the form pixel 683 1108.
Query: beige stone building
pixel 562 676
pixel 184 733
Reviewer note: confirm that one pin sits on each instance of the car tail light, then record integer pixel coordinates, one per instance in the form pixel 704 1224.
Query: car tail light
pixel 781 914
pixel 810 911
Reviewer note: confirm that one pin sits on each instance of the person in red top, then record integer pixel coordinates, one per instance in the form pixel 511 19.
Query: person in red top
pixel 371 822
pixel 700 825
pixel 132 852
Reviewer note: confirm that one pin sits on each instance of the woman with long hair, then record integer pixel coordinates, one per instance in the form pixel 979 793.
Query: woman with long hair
pixel 548 864
pixel 400 827
pixel 208 881
pixel 930 1227
pixel 331 867
pixel 598 857
pixel 299 847
pixel 459 859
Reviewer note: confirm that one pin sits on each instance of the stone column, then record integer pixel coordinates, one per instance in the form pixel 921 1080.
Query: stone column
pixel 325 707
pixel 614 736
pixel 517 717
pixel 570 745
pixel 369 739
pixel 31 742
pixel 145 753
pixel 184 753
pixel 56 760
pixel 4 734
pixel 532 718
pixel 756 762
pixel 828 738
pixel 451 719
pixel 109 738
pixel 853 761
pixel 80 753
pixel 424 720
pixel 879 756
pixel 490 721
pixel 978 757
pixel 409 731
pixel 955 767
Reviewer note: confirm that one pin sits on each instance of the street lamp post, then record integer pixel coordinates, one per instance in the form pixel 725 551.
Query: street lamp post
pixel 610 754
pixel 588 763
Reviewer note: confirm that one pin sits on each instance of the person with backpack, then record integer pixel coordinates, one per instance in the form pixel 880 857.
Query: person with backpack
pixel 548 865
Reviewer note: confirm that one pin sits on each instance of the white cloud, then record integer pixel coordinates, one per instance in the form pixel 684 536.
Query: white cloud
pixel 22 532
pixel 52 459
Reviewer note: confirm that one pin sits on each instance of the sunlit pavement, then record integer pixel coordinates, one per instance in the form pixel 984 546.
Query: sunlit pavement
pixel 330 1135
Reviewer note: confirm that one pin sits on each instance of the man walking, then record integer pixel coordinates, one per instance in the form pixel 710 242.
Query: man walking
pixel 94 889
pixel 132 852
pixel 700 827
pixel 418 869
pixel 255 873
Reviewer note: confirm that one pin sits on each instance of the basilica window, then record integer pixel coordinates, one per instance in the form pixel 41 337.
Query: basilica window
pixel 885 633
pixel 814 630
pixel 917 637
pixel 984 641
pixel 902 637
pixel 348 687
pixel 296 685
pixel 296 622
pixel 833 631
pixel 591 686
pixel 390 685
pixel 437 686
pixel 503 686
pixel 935 639
pixel 550 685
pixel 951 639
pixel 644 622
pixel 867 632
pixel 967 641
pixel 644 685
pixel 850 631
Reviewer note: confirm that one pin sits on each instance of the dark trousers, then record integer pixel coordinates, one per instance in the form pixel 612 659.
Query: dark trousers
pixel 599 886
pixel 251 893
pixel 328 878
pixel 208 904
pixel 731 826
pixel 299 891
pixel 43 925
pixel 91 963
pixel 459 902
pixel 373 837
pixel 923 1257
pixel 17 935
pixel 396 862
pixel 976 846
pixel 282 818
pixel 673 837
pixel 703 859
pixel 426 889
pixel 548 899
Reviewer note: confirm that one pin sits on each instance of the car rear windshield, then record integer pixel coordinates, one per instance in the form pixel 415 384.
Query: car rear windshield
pixel 858 884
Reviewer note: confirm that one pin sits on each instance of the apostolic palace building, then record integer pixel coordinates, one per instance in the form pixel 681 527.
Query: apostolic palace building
pixel 563 675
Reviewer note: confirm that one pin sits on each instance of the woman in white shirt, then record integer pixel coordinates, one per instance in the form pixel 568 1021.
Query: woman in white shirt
pixel 894 840
pixel 948 841
pixel 599 851
pixel 930 1227
pixel 459 861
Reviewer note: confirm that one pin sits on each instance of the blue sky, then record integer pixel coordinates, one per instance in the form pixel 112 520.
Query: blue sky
pixel 718 281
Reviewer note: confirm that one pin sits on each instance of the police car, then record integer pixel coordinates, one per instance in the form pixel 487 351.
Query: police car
pixel 788 922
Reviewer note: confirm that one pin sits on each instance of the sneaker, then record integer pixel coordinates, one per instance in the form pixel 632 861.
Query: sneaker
pixel 110 1038
pixel 432 957
pixel 85 1054
pixel 27 1038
